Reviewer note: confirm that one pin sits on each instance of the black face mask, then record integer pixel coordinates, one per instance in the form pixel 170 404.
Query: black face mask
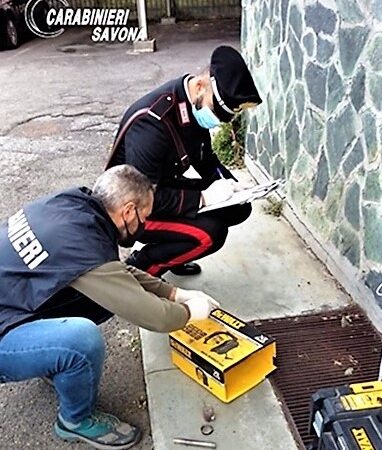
pixel 130 238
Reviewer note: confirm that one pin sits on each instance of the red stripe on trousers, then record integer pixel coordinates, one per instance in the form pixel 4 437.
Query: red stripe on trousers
pixel 204 239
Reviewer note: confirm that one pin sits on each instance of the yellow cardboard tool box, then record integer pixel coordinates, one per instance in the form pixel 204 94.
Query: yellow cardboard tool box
pixel 224 354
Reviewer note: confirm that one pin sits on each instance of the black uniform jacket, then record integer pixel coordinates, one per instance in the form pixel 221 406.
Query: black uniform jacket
pixel 149 146
pixel 45 246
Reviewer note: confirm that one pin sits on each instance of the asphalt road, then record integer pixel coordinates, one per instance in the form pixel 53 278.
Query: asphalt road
pixel 60 104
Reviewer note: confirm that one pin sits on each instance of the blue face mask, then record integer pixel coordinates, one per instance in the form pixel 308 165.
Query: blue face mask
pixel 205 117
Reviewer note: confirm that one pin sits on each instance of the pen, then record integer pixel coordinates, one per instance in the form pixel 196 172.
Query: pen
pixel 219 172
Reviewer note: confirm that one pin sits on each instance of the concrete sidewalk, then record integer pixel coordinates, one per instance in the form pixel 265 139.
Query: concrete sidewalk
pixel 263 271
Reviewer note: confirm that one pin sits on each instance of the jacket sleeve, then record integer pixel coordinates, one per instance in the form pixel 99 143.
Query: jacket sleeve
pixel 146 146
pixel 209 166
pixel 128 293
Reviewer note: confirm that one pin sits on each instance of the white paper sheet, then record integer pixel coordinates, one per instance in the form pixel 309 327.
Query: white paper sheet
pixel 244 196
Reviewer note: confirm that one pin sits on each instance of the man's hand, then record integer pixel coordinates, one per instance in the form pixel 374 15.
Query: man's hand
pixel 199 307
pixel 219 191
pixel 182 295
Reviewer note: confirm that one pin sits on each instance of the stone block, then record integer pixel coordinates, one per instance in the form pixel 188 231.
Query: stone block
pixel 372 217
pixel 357 93
pixel 322 179
pixel 278 168
pixel 373 186
pixel 347 242
pixel 250 144
pixel 264 14
pixel 309 43
pixel 285 69
pixel 253 125
pixel 352 41
pixel 325 50
pixel 301 191
pixel 270 107
pixel 259 146
pixel 275 143
pixel 375 83
pixel 276 34
pixel 355 157
pixel 313 132
pixel 292 143
pixel 295 20
pixel 370 133
pixel 168 20
pixel 289 105
pixel 279 110
pixel 297 56
pixel 148 46
pixel 375 52
pixel 340 133
pixel 301 166
pixel 266 138
pixel 284 17
pixel 321 19
pixel 335 88
pixel 376 8
pixel 315 215
pixel 352 205
pixel 265 162
pixel 349 11
pixel 315 77
pixel 281 134
pixel 275 8
pixel 299 100
pixel 334 198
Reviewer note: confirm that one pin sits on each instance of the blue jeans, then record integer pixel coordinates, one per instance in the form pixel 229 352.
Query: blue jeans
pixel 70 351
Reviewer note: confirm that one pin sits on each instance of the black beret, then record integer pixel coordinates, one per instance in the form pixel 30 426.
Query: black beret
pixel 232 83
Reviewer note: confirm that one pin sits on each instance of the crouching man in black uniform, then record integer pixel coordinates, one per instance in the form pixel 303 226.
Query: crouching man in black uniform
pixel 60 275
pixel 165 132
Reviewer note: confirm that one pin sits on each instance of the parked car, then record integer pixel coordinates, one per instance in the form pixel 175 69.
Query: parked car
pixel 12 23
pixel 13 29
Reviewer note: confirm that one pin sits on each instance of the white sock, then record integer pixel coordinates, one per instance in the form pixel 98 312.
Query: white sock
pixel 68 425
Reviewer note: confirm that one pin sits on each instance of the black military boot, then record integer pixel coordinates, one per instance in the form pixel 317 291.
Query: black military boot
pixel 190 268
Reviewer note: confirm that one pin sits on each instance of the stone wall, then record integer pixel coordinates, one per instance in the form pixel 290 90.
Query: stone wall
pixel 318 67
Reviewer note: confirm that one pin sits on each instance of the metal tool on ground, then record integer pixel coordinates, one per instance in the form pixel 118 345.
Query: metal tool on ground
pixel 208 413
pixel 207 429
pixel 194 443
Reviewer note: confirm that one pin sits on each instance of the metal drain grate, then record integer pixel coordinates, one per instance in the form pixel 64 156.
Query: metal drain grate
pixel 321 350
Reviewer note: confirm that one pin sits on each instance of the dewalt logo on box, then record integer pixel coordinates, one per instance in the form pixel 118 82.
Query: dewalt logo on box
pixel 362 439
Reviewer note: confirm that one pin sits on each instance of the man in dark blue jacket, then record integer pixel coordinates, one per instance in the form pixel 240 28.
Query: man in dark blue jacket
pixel 61 275
pixel 166 132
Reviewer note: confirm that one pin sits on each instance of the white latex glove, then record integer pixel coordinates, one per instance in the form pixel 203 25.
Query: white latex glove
pixel 182 295
pixel 219 191
pixel 199 308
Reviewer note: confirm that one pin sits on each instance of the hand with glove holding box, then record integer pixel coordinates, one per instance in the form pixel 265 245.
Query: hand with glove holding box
pixel 198 303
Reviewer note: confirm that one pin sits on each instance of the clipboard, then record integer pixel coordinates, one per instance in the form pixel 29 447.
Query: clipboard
pixel 245 196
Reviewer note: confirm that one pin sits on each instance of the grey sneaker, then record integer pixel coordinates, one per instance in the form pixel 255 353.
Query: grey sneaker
pixel 101 430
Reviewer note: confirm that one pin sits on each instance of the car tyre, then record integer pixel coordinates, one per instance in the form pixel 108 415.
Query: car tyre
pixel 12 39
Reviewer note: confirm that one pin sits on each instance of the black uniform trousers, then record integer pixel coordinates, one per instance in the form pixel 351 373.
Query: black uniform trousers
pixel 177 241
